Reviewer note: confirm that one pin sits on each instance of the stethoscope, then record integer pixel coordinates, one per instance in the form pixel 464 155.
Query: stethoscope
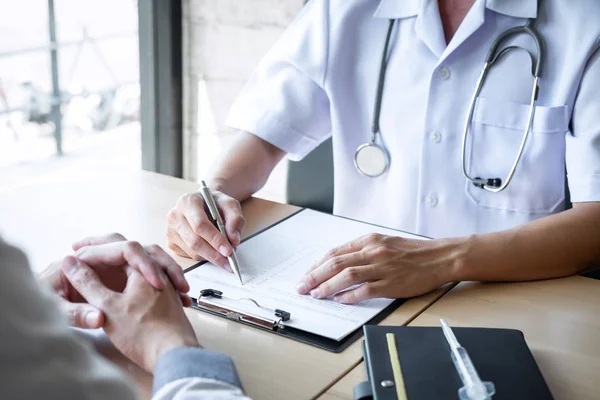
pixel 372 160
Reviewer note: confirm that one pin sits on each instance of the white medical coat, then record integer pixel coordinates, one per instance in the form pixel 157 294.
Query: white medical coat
pixel 319 80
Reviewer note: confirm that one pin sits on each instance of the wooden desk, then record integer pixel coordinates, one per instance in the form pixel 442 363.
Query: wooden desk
pixel 560 319
pixel 343 389
pixel 45 219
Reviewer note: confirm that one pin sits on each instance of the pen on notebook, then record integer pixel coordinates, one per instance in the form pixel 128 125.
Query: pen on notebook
pixel 214 212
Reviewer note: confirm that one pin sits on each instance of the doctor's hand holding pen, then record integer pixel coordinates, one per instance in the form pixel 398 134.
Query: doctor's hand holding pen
pixel 235 176
pixel 191 232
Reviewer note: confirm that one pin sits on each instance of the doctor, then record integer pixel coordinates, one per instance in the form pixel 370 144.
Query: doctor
pixel 497 210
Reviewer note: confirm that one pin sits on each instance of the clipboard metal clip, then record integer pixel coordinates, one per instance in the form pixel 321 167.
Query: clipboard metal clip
pixel 206 302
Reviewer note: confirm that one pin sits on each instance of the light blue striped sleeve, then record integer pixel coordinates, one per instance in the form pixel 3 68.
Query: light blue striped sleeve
pixel 193 373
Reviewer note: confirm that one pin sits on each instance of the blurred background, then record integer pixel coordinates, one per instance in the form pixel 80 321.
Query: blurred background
pixel 69 70
pixel 99 87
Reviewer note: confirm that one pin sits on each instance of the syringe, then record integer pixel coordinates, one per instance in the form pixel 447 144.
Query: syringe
pixel 473 388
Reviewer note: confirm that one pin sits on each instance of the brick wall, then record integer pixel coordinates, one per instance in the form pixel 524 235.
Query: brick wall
pixel 223 40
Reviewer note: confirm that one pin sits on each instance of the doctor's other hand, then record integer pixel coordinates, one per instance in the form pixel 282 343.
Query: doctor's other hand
pixel 381 266
pixel 192 233
pixel 109 256
pixel 141 321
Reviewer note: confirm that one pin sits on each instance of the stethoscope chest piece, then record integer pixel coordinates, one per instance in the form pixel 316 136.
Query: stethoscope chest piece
pixel 371 160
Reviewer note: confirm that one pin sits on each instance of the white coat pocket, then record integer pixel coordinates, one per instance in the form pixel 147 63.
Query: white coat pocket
pixel 495 136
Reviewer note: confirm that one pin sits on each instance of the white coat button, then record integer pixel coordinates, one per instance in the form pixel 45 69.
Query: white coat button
pixel 444 73
pixel 432 200
pixel 435 137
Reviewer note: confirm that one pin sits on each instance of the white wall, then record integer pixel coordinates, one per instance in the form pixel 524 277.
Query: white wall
pixel 223 41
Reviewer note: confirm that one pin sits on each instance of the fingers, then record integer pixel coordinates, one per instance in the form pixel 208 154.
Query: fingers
pixel 96 240
pixel 178 246
pixel 367 291
pixel 85 280
pixel 82 315
pixel 198 247
pixel 330 268
pixel 346 279
pixel 350 247
pixel 172 269
pixel 202 227
pixel 120 253
pixel 185 299
pixel 234 219
pixel 138 286
pixel 192 230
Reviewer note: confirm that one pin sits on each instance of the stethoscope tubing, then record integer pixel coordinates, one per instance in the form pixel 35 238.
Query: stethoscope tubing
pixel 494 185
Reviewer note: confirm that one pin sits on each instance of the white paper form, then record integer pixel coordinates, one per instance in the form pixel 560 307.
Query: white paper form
pixel 273 262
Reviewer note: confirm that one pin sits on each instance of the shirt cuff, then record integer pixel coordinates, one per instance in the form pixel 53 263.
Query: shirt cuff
pixel 247 118
pixel 192 362
pixel 584 188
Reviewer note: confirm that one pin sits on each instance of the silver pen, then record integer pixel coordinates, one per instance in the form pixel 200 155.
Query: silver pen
pixel 214 212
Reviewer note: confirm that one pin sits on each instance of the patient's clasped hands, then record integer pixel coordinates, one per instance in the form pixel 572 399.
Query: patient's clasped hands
pixel 135 293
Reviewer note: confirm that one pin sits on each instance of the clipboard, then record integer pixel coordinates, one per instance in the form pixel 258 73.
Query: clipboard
pixel 208 301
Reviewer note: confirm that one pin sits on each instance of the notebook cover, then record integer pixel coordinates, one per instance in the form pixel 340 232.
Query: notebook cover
pixel 499 355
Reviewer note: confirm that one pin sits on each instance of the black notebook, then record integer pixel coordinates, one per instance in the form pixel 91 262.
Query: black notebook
pixel 499 355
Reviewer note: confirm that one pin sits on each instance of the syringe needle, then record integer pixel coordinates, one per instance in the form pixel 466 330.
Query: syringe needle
pixel 473 388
